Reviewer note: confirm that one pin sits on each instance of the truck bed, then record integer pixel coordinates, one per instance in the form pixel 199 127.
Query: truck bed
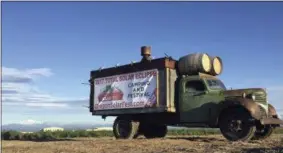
pixel 165 85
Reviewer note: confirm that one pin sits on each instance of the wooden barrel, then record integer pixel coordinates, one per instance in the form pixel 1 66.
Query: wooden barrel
pixel 194 63
pixel 217 65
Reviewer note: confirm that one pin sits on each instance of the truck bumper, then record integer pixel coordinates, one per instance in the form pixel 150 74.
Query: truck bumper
pixel 271 121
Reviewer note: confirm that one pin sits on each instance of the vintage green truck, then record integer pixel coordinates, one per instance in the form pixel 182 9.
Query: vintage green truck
pixel 147 96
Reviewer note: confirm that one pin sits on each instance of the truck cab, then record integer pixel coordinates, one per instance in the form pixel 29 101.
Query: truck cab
pixel 241 114
pixel 199 96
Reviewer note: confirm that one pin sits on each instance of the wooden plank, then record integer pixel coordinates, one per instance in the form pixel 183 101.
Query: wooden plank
pixel 172 78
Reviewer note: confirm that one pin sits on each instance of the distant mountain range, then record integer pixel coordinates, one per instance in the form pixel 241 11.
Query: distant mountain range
pixel 75 126
pixel 38 127
pixel 71 126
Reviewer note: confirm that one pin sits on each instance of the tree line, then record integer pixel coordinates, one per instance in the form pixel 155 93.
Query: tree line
pixel 49 136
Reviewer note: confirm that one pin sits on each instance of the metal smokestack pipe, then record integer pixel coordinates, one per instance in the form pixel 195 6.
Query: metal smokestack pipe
pixel 146 53
pixel 145 50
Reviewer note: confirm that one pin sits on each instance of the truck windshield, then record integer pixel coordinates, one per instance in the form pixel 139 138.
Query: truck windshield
pixel 215 84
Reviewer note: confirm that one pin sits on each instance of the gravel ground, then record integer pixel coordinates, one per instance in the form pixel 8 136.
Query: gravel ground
pixel 181 144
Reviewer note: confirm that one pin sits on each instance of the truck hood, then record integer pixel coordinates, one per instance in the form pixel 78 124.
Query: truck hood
pixel 260 94
pixel 239 92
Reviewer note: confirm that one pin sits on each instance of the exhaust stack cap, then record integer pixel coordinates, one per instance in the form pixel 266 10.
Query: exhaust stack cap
pixel 145 51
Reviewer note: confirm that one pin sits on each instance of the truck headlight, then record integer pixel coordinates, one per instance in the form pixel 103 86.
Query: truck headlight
pixel 252 96
pixel 244 95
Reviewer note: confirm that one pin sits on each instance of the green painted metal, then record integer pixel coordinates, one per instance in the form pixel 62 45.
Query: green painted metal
pixel 206 106
pixel 198 107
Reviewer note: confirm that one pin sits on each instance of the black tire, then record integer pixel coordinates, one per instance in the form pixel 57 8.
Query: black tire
pixel 124 128
pixel 155 131
pixel 235 125
pixel 136 135
pixel 263 133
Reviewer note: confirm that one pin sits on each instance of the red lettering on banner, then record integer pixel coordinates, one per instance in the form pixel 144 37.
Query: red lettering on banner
pixel 126 77
pixel 99 81
pixel 146 74
pixel 110 80
pixel 120 105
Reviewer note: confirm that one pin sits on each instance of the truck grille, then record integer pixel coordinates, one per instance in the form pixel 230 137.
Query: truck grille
pixel 261 98
pixel 263 113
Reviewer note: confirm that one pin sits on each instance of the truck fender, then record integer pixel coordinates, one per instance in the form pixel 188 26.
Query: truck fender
pixel 271 111
pixel 253 108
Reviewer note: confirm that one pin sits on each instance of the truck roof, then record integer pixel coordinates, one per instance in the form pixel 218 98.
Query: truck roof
pixel 207 76
pixel 202 75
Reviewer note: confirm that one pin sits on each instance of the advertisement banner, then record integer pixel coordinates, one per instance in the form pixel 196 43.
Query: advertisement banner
pixel 131 90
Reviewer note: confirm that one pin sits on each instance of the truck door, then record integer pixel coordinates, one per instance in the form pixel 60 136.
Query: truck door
pixel 192 101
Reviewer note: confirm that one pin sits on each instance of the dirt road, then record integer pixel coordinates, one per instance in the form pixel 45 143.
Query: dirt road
pixel 206 144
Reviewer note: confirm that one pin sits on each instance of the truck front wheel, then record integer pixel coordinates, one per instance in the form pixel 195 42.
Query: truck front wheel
pixel 263 133
pixel 124 128
pixel 235 125
pixel 155 131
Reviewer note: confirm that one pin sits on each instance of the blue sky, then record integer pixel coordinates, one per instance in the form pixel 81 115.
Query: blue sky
pixel 49 48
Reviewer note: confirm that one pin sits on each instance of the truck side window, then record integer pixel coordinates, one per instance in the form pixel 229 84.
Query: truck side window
pixel 195 86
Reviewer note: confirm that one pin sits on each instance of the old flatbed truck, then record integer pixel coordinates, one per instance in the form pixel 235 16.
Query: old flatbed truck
pixel 152 94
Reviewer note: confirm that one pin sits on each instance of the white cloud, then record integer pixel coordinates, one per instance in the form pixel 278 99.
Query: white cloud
pixel 47 104
pixel 28 73
pixel 11 104
pixel 30 122
pixel 38 104
pixel 19 88
pixel 39 72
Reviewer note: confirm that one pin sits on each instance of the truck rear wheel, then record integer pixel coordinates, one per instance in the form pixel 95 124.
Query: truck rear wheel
pixel 235 126
pixel 124 128
pixel 263 133
pixel 155 131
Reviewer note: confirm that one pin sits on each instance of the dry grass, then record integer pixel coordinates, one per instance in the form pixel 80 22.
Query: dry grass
pixel 206 144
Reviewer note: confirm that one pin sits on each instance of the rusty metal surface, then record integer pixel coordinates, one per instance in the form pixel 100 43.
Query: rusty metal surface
pixel 208 76
pixel 145 50
pixel 260 94
pixel 271 110
pixel 170 64
pixel 251 106
pixel 271 121
pixel 239 92
pixel 160 63
pixel 146 58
